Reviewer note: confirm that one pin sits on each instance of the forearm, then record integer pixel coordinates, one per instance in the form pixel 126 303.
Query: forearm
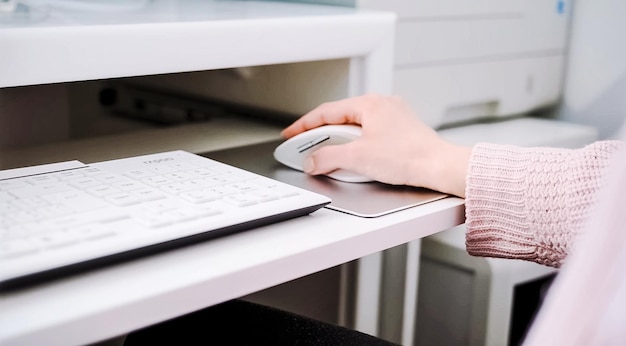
pixel 442 169
pixel 530 203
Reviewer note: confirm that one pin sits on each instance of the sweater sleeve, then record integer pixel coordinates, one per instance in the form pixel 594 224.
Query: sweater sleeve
pixel 530 203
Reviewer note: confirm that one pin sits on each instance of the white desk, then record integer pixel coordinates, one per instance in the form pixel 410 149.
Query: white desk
pixel 115 300
pixel 176 36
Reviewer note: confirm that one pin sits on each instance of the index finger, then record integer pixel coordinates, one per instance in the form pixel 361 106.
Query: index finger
pixel 346 111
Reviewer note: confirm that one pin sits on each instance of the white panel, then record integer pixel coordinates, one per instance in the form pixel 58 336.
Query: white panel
pixel 446 94
pixel 420 42
pixel 596 70
pixel 204 35
pixel 440 8
pixel 523 131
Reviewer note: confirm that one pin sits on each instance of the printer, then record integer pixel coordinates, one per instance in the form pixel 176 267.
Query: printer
pixel 456 60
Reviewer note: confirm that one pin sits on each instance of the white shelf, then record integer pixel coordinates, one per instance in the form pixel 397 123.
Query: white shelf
pixel 169 36
pixel 217 134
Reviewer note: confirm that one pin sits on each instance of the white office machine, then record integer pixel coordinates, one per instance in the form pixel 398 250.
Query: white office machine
pixel 460 60
pixel 457 60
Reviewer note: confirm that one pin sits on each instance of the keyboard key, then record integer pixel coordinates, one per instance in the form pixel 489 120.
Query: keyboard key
pixel 128 185
pixel 154 220
pixel 93 231
pixel 84 182
pixel 240 199
pixel 183 166
pixel 110 178
pixel 147 194
pixel 203 172
pixel 176 188
pixel 41 179
pixel 76 200
pixel 38 190
pixel 140 173
pixel 57 239
pixel 18 247
pixel 157 180
pixel 91 171
pixel 11 184
pixel 201 196
pixel 30 203
pixel 179 176
pixel 161 206
pixel 264 195
pixel 102 190
pixel 69 175
pixel 123 199
pixel 163 169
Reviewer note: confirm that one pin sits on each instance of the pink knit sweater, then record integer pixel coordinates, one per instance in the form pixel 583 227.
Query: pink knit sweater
pixel 529 203
pixel 560 208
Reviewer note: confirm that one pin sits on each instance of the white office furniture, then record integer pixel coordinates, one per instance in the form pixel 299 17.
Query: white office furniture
pixel 178 36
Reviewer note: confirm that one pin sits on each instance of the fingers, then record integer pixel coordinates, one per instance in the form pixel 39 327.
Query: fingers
pixel 347 111
pixel 328 159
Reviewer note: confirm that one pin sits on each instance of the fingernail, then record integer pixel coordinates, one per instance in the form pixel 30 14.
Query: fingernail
pixel 309 165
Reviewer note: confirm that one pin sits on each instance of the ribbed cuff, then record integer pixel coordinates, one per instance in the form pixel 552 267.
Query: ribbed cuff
pixel 496 214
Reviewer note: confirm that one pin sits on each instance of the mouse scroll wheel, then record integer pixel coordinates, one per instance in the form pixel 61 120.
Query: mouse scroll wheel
pixel 308 145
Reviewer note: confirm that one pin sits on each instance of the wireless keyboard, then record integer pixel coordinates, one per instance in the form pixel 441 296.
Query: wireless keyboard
pixel 59 218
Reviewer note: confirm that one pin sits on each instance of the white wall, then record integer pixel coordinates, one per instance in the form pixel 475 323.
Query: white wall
pixel 595 86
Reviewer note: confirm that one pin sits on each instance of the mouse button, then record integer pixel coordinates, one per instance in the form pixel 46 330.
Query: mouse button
pixel 349 131
pixel 343 138
pixel 310 144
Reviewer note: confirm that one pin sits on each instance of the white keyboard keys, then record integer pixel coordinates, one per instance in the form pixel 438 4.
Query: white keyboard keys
pixel 38 190
pixel 140 174
pixel 76 200
pixel 240 199
pixel 200 196
pixel 102 190
pixel 93 231
pixel 84 182
pixel 123 199
pixel 18 247
pixel 157 181
pixel 147 194
pixel 120 205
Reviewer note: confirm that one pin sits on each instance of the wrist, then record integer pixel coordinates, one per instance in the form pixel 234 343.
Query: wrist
pixel 449 169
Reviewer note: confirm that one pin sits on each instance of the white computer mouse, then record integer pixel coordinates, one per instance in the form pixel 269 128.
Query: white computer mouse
pixel 295 150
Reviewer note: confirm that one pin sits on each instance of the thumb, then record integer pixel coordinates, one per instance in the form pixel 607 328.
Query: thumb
pixel 326 159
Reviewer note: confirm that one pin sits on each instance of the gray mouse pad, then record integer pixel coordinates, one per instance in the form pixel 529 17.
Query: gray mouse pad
pixel 361 199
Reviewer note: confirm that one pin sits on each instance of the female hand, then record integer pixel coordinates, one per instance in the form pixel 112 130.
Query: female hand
pixel 395 146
